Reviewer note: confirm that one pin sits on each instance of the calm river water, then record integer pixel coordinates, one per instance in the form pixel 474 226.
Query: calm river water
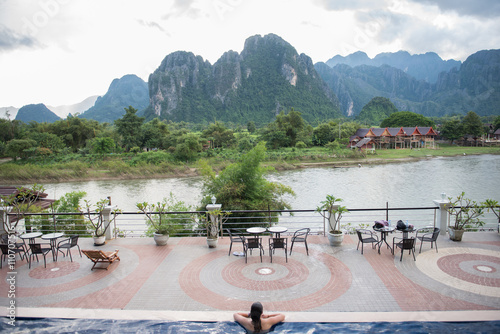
pixel 408 184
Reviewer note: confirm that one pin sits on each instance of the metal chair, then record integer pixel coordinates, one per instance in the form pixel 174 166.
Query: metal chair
pixel 300 236
pixel 428 235
pixel 366 236
pixel 4 239
pixel 39 249
pixel 68 243
pixel 275 243
pixel 253 243
pixel 234 238
pixel 6 252
pixel 404 244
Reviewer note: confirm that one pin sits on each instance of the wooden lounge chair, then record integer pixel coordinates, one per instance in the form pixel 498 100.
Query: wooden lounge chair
pixel 99 256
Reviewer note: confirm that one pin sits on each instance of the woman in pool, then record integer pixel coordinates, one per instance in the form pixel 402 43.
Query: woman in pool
pixel 256 321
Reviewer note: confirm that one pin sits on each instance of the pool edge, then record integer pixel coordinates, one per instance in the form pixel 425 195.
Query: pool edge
pixel 213 316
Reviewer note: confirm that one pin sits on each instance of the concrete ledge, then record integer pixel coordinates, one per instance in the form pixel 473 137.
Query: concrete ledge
pixel 219 316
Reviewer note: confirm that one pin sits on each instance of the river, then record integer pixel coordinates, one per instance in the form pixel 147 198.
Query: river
pixel 404 184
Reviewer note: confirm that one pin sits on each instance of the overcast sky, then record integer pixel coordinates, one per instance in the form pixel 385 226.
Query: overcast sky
pixel 60 52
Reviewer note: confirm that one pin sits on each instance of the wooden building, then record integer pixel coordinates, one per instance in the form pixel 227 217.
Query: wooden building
pixel 403 137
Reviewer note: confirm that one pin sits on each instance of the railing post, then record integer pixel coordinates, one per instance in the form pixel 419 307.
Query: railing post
pixel 106 219
pixel 442 213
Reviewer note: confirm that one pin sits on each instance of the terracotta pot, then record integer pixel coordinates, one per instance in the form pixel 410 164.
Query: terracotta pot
pixel 335 238
pixel 160 239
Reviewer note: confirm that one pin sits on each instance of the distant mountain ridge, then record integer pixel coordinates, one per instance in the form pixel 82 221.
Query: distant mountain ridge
pixel 36 112
pixel 267 77
pixel 474 86
pixel 425 67
pixel 129 90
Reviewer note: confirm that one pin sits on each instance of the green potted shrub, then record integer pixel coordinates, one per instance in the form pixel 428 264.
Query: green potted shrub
pixel 96 215
pixel 333 212
pixel 464 212
pixel 160 224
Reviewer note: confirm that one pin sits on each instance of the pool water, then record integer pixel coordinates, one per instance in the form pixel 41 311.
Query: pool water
pixel 80 326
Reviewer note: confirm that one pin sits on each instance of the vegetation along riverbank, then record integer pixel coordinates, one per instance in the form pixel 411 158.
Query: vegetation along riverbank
pixel 155 165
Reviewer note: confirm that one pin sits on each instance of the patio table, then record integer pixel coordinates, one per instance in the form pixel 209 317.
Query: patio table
pixel 384 231
pixel 256 230
pixel 52 237
pixel 277 230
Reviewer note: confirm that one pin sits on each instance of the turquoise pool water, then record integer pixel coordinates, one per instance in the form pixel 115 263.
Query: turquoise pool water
pixel 39 326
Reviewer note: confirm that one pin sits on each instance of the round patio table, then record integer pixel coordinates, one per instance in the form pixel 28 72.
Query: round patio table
pixel 30 236
pixel 384 231
pixel 52 237
pixel 256 230
pixel 277 230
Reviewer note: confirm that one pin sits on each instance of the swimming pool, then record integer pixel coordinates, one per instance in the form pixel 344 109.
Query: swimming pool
pixel 51 325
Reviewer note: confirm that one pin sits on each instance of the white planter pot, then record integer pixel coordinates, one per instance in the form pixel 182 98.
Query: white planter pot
pixel 212 243
pixel 335 239
pixel 98 241
pixel 160 239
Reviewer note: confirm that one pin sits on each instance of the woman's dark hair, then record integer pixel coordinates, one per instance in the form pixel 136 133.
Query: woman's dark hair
pixel 255 313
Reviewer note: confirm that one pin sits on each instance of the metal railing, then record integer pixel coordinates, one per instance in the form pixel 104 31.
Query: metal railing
pixel 133 224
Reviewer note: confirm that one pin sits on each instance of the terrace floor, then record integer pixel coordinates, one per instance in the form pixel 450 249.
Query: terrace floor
pixel 186 280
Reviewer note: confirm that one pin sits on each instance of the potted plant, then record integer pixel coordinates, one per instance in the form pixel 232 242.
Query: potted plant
pixel 333 212
pixel 214 221
pixel 161 224
pixel 98 217
pixel 466 213
pixel 159 227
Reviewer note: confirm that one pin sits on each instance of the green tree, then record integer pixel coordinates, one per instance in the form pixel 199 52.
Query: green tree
pixel 70 202
pixel 219 135
pixel 74 131
pixel 496 123
pixel 324 133
pixel 154 134
pixel 102 145
pixel 245 142
pixel 19 148
pixel 188 147
pixel 243 186
pixel 472 124
pixel 48 140
pixel 452 130
pixel 286 130
pixel 251 126
pixel 406 119
pixel 129 128
pixel 378 109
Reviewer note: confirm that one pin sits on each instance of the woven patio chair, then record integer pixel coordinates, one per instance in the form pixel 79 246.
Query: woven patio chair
pixel 275 243
pixel 366 237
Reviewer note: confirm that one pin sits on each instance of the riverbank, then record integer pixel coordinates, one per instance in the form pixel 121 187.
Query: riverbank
pixel 116 169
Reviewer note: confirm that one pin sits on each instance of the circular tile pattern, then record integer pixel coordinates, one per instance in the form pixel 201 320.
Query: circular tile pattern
pixel 54 269
pixel 282 276
pixel 451 265
pixel 211 278
pixel 468 269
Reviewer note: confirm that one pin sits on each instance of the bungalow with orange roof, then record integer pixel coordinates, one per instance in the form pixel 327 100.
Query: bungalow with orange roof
pixel 403 137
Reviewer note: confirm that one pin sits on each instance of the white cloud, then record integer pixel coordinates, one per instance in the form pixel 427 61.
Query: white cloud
pixel 62 51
